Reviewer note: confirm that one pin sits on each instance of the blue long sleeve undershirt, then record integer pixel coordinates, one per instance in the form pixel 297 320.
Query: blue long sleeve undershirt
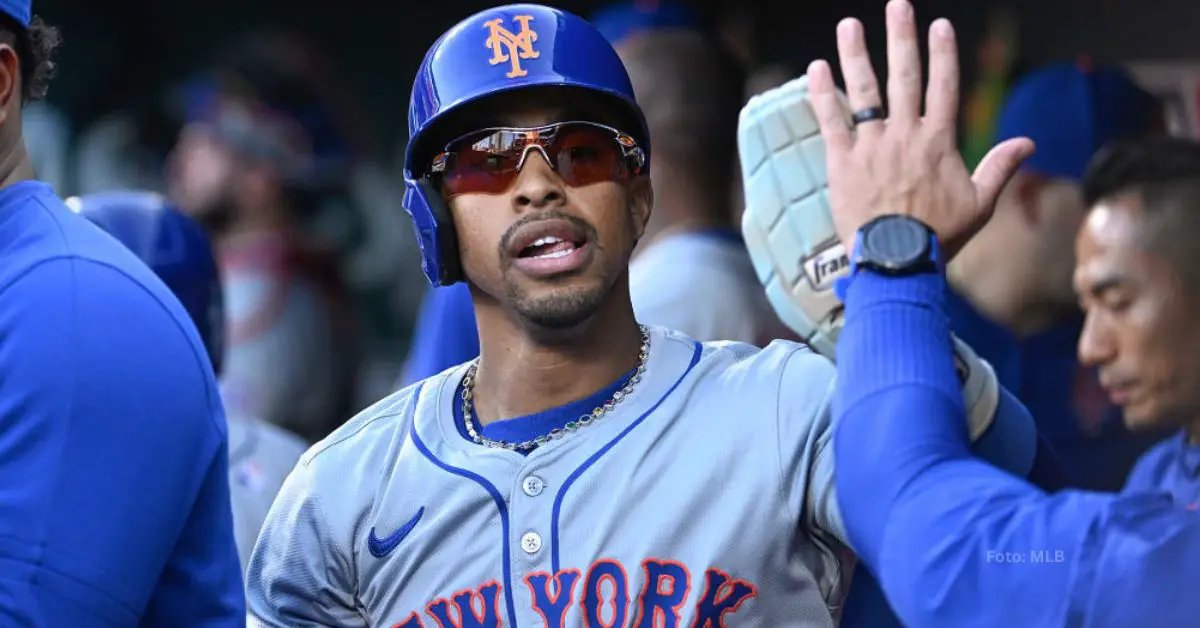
pixel 956 542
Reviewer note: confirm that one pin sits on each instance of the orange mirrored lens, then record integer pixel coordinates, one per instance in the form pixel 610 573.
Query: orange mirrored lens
pixel 580 153
pixel 584 155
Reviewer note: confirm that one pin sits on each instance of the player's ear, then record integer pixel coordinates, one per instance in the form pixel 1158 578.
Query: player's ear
pixel 10 80
pixel 641 203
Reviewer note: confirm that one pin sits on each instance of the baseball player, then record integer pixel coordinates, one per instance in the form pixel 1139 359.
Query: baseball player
pixel 114 498
pixel 665 48
pixel 261 156
pixel 788 218
pixel 260 454
pixel 1136 255
pixel 955 541
pixel 585 470
pixel 690 91
pixel 1011 296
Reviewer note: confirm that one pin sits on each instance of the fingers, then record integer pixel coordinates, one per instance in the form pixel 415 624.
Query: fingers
pixel 941 97
pixel 862 87
pixel 997 167
pixel 822 93
pixel 904 64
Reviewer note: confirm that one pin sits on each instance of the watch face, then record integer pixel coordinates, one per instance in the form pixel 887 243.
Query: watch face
pixel 896 242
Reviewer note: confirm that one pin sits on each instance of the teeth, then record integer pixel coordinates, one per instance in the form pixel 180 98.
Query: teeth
pixel 562 253
pixel 546 241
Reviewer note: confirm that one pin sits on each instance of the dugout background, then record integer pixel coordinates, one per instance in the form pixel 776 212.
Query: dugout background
pixel 120 52
pixel 109 124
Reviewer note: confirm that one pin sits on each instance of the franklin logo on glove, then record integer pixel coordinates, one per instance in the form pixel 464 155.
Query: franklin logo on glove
pixel 827 265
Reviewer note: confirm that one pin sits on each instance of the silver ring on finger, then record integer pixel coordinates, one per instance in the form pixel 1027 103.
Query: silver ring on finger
pixel 869 114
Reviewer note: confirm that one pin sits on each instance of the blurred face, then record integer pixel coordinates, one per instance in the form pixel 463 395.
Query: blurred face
pixel 1030 242
pixel 546 219
pixel 1140 328
pixel 199 172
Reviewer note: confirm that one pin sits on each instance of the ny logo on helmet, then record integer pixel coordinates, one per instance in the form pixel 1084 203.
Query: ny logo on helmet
pixel 509 47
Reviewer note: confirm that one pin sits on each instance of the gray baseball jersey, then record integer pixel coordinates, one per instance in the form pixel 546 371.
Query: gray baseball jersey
pixel 260 457
pixel 732 305
pixel 706 496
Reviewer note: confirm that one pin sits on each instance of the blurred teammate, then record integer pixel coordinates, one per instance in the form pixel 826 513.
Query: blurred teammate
pixel 1138 280
pixel 1019 310
pixel 691 91
pixel 1017 307
pixel 955 541
pixel 586 469
pixel 690 271
pixel 114 497
pixel 178 251
pixel 261 155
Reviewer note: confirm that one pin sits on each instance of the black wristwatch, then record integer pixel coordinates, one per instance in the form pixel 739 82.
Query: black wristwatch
pixel 895 245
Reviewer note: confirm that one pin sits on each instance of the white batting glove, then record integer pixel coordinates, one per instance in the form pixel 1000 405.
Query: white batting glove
pixel 789 232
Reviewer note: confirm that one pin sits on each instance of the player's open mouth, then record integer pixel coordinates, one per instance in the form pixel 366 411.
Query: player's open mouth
pixel 550 247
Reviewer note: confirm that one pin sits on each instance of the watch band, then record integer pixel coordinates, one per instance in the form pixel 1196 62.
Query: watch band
pixel 842 284
pixel 928 259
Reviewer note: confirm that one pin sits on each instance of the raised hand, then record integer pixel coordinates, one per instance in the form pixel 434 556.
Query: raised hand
pixel 903 162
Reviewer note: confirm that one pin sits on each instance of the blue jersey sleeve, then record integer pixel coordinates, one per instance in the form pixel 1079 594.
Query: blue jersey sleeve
pixel 445 333
pixel 957 542
pixel 1011 443
pixel 866 606
pixel 114 506
pixel 199 586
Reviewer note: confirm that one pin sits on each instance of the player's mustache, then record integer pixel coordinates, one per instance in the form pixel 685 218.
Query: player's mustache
pixel 549 214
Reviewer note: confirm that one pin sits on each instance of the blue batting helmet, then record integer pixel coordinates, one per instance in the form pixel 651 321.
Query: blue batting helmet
pixel 174 246
pixel 507 48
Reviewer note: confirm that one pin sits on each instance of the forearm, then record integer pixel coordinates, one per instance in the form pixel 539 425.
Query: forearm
pixel 968 545
pixel 895 374
pixel 907 482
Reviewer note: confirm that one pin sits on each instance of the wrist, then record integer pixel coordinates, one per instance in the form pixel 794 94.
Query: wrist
pixel 868 287
pixel 896 244
pixel 894 247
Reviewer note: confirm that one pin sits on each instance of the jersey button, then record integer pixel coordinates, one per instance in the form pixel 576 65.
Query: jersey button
pixel 533 486
pixel 531 542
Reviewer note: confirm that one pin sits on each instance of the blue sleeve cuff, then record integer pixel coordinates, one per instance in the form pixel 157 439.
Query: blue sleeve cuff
pixel 896 334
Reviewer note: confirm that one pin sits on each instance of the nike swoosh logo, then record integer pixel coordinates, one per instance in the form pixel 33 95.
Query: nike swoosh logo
pixel 382 547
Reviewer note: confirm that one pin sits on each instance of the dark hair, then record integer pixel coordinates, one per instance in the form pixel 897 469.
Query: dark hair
pixel 1164 172
pixel 1159 168
pixel 35 48
pixel 283 73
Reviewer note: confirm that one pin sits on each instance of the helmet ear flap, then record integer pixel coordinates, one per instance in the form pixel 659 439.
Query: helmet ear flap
pixel 451 270
pixel 435 233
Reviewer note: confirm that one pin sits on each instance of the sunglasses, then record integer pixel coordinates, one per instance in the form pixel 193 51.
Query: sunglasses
pixel 582 153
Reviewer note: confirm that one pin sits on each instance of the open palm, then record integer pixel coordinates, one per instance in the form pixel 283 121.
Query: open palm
pixel 905 162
